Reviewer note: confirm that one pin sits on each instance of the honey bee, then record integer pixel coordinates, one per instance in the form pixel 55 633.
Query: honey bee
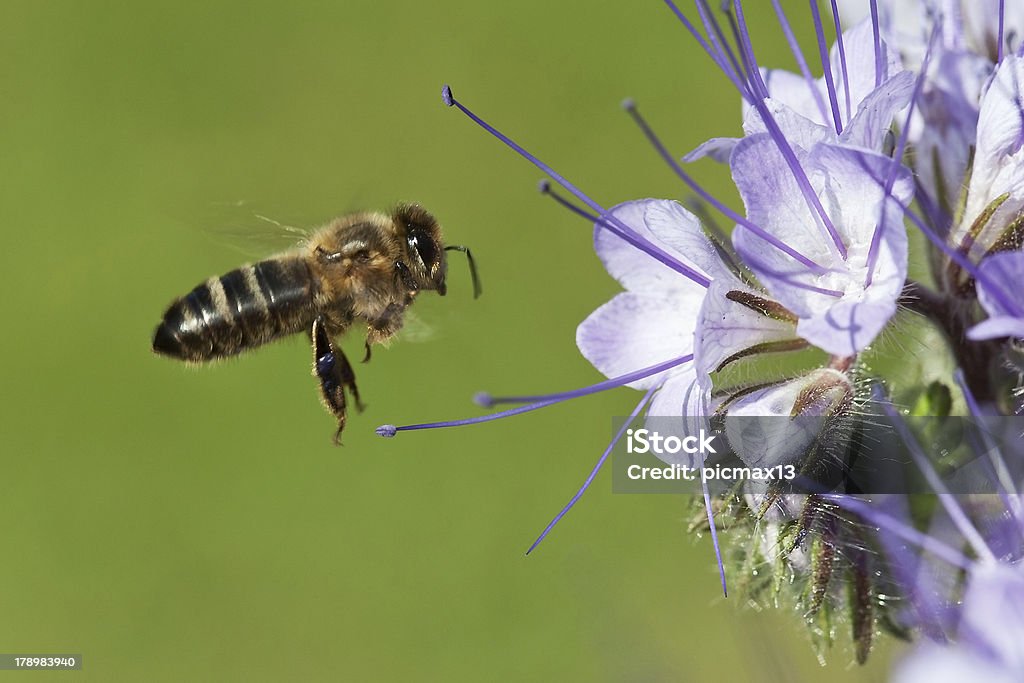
pixel 365 267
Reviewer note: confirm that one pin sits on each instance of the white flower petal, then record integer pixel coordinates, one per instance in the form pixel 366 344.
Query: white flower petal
pixel 679 229
pixel 634 331
pixel 636 269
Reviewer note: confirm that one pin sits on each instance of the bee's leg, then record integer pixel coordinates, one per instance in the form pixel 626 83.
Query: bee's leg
pixel 348 377
pixel 383 328
pixel 334 372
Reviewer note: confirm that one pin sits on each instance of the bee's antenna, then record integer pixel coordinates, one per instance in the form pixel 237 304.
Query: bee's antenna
pixel 477 289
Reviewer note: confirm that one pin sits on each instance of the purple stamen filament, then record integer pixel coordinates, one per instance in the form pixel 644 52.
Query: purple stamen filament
pixel 597 468
pixel 905 531
pixel 545 187
pixel 1002 19
pixel 615 225
pixel 746 48
pixel 842 59
pixel 750 85
pixel 826 65
pixel 876 237
pixel 714 530
pixel 717 38
pixel 876 35
pixel 655 141
pixel 714 55
pixel 487 400
pixel 753 262
pixel 953 509
pixel 998 469
pixel 544 401
pixel 755 95
pixel 593 472
pixel 810 196
pixel 801 62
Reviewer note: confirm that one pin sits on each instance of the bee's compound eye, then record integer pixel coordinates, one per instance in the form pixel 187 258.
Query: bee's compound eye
pixel 423 247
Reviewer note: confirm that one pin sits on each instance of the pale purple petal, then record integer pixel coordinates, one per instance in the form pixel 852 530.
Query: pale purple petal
pixel 671 399
pixel 988 645
pixel 850 184
pixel 727 328
pixel 1004 271
pixel 859 42
pixel 680 231
pixel 718 149
pixel 794 105
pixel 994 612
pixel 945 123
pixel 679 408
pixel 997 293
pixel 849 326
pixel 774 203
pixel 997 327
pixel 635 269
pixel 634 331
pixel 933 663
pixel 876 112
pixel 793 91
pixel 802 132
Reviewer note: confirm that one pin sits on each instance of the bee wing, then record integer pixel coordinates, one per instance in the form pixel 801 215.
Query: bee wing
pixel 415 329
pixel 242 227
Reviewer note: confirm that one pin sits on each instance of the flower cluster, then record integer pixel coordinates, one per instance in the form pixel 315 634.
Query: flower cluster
pixel 911 139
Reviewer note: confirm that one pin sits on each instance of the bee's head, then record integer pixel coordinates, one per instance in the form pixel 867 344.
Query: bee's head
pixel 425 256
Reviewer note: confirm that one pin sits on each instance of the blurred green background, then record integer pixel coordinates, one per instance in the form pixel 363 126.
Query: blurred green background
pixel 174 524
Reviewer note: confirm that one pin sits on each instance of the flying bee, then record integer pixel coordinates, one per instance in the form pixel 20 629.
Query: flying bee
pixel 364 267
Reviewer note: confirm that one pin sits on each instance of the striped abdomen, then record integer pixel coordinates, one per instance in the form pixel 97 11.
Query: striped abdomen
pixel 245 308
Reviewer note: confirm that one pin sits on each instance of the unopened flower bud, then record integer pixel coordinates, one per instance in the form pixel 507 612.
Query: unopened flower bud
pixel 782 423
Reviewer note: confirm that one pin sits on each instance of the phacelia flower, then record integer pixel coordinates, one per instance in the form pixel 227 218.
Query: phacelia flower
pixel 843 304
pixel 781 333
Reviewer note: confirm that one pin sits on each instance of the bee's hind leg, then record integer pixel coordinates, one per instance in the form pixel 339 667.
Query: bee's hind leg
pixel 335 375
